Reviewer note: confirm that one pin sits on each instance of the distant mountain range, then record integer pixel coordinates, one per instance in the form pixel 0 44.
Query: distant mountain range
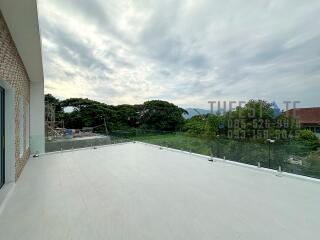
pixel 194 112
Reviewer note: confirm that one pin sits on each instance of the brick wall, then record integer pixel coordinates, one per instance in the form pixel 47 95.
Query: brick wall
pixel 13 72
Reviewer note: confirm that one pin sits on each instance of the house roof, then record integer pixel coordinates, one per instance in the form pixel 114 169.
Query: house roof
pixel 306 115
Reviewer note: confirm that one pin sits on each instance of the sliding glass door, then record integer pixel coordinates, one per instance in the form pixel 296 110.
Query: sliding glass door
pixel 2 173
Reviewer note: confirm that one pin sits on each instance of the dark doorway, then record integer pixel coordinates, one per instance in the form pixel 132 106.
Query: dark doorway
pixel 2 108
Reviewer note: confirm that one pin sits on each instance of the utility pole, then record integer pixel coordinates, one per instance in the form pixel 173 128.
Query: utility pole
pixel 269 143
pixel 105 126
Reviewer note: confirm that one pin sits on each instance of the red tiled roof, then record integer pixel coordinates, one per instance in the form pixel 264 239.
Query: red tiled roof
pixel 306 115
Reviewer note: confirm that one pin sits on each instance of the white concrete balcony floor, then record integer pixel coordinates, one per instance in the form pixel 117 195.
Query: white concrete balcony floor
pixel 137 191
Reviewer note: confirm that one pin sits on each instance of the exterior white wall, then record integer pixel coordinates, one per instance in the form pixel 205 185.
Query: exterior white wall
pixel 22 19
pixel 37 130
pixel 21 69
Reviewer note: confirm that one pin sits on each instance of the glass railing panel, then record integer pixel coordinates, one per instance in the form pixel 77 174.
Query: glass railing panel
pixel 71 143
pixel 289 157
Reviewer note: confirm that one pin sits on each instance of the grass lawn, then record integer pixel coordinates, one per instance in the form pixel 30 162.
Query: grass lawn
pixel 178 141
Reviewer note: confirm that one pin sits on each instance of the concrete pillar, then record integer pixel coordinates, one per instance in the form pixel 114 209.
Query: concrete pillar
pixel 37 117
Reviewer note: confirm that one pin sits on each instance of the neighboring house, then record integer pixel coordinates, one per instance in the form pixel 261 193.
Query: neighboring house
pixel 21 87
pixel 309 118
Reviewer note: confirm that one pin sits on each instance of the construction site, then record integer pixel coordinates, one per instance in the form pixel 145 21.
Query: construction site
pixel 60 138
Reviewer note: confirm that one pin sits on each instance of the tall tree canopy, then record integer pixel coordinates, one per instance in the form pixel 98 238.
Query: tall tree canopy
pixel 158 115
pixel 161 115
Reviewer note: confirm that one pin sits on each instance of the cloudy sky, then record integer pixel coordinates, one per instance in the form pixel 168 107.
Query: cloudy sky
pixel 182 51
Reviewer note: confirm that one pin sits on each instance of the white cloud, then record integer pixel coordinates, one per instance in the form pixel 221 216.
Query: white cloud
pixel 186 52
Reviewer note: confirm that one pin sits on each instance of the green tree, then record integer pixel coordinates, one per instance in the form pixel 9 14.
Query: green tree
pixel 308 138
pixel 208 126
pixel 155 114
pixel 214 126
pixel 196 125
pixel 127 116
pixel 254 120
pixel 161 115
pixel 87 113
